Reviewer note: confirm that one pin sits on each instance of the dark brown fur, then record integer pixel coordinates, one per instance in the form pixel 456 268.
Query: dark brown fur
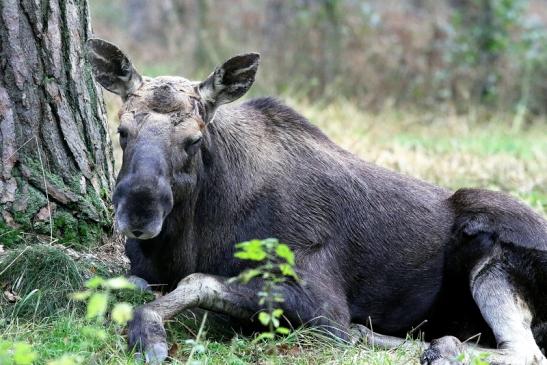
pixel 371 245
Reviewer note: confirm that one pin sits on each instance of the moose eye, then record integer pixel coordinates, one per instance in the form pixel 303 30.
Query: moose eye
pixel 195 140
pixel 193 143
pixel 122 132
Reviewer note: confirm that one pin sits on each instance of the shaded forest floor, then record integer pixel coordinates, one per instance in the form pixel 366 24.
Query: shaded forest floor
pixel 469 150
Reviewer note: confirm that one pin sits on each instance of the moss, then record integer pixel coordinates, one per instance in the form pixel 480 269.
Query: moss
pixel 70 230
pixel 65 226
pixel 33 200
pixel 105 194
pixel 74 183
pixel 22 219
pixel 90 234
pixel 76 232
pixel 92 203
pixel 38 171
pixel 11 237
pixel 79 224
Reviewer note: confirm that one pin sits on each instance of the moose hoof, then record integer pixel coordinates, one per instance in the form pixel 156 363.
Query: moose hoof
pixel 442 351
pixel 147 336
pixel 156 355
pixel 360 333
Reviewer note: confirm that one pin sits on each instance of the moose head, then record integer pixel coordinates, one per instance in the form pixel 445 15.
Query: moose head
pixel 163 132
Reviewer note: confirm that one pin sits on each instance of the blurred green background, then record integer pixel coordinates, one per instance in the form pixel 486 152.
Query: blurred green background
pixel 452 91
pixel 447 55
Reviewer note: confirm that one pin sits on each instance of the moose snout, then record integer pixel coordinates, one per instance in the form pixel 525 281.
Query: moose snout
pixel 141 205
pixel 143 232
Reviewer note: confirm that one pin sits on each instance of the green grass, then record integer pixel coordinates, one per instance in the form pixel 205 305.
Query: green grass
pixel 452 151
pixel 43 277
pixel 65 333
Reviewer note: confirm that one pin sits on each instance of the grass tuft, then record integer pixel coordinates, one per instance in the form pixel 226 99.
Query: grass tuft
pixel 37 280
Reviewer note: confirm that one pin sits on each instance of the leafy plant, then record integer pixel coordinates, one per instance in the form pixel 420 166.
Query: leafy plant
pixel 277 266
pixel 16 353
pixel 478 359
pixel 97 295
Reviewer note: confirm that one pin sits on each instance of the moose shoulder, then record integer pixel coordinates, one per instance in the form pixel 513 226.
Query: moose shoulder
pixel 371 245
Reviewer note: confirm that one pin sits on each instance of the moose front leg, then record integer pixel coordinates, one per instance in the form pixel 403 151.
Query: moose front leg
pixel 146 331
pixel 315 304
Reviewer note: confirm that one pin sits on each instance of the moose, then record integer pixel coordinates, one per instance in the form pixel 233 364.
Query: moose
pixel 372 246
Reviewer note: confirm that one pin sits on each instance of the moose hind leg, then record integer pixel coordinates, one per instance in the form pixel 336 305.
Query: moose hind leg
pixel 506 310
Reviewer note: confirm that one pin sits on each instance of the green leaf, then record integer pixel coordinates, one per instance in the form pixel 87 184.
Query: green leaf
pixel 5 352
pixel 122 313
pixel 81 295
pixel 287 270
pixel 264 336
pixel 250 255
pixel 96 307
pixel 251 250
pixel 94 283
pixel 284 251
pixel 481 359
pixel 264 318
pixel 282 330
pixel 119 282
pixel 278 312
pixel 23 354
pixel 249 274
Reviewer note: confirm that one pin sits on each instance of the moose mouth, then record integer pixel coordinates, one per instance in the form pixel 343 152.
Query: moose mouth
pixel 146 231
pixel 140 235
pixel 139 221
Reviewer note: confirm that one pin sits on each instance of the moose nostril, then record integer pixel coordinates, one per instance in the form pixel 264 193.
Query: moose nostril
pixel 137 233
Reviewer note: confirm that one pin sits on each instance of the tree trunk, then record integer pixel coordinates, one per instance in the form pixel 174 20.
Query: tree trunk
pixel 56 167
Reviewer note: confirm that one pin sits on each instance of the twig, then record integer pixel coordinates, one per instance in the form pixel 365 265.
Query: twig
pixel 15 259
pixel 477 336
pixel 23 145
pixel 45 189
pixel 200 331
pixel 411 332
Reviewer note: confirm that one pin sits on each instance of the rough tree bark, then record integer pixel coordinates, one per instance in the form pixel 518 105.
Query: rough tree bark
pixel 56 167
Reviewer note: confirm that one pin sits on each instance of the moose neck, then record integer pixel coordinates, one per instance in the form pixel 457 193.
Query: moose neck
pixel 202 223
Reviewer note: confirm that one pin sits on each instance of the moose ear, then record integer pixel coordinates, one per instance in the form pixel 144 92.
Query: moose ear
pixel 112 68
pixel 229 81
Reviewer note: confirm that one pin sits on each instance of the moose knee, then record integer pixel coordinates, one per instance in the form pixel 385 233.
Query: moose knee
pixel 204 287
pixel 201 281
pixel 193 278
